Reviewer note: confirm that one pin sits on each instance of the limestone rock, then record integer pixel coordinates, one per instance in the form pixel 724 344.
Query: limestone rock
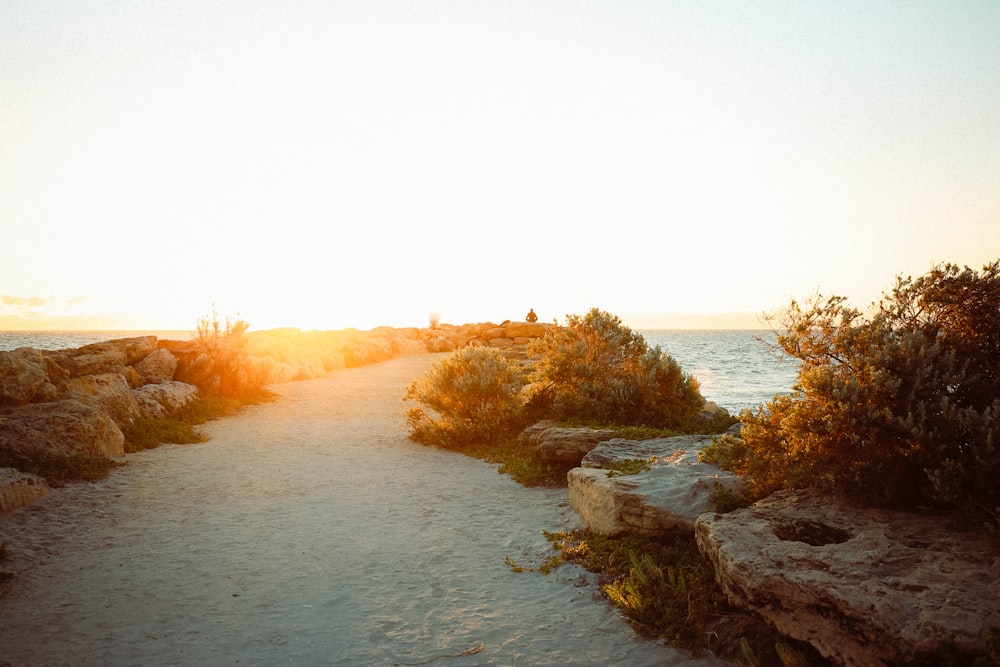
pixel 18 489
pixel 671 494
pixel 157 400
pixel 526 329
pixel 616 450
pixel 134 349
pixel 22 374
pixel 863 586
pixel 440 344
pixel 501 342
pixel 158 366
pixel 108 392
pixel 60 428
pixel 566 445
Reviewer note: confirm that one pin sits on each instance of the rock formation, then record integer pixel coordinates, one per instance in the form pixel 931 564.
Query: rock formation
pixel 674 490
pixel 564 445
pixel 18 489
pixel 866 587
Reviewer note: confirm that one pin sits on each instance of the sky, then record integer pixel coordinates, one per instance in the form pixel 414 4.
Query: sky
pixel 355 164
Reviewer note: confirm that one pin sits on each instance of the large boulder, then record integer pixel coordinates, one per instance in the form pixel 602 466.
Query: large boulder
pixel 671 493
pixel 108 392
pixel 526 329
pixel 60 428
pixel 157 366
pixel 22 374
pixel 565 445
pixel 18 489
pixel 863 586
pixel 158 400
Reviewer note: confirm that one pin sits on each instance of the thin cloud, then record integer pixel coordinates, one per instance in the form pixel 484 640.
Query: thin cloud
pixel 23 301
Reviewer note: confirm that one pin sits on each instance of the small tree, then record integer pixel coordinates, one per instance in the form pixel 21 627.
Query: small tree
pixel 597 369
pixel 901 407
pixel 476 395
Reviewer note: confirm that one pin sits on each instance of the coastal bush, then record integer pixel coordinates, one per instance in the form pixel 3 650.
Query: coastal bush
pixel 595 368
pixel 223 367
pixel 475 395
pixel 900 407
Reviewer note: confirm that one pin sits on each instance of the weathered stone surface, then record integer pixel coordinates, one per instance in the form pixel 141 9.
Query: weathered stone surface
pixel 864 586
pixel 60 428
pixel 440 344
pixel 675 490
pixel 566 445
pixel 501 342
pixel 157 400
pixel 108 392
pixel 157 366
pixel 22 374
pixel 18 489
pixel 134 349
pixel 616 450
pixel 94 362
pixel 526 329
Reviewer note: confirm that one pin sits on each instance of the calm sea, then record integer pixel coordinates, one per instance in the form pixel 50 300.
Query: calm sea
pixel 61 340
pixel 735 368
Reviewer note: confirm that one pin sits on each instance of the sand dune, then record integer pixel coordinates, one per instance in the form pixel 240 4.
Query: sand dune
pixel 309 531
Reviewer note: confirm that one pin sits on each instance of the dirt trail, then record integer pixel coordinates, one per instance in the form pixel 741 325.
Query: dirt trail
pixel 309 531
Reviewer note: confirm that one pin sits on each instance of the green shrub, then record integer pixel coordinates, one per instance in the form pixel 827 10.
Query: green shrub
pixel 476 396
pixel 900 407
pixel 595 368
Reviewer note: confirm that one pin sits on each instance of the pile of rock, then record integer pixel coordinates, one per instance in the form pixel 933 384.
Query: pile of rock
pixel 512 336
pixel 863 586
pixel 74 402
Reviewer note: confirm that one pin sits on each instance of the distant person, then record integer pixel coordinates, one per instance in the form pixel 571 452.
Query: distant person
pixel 531 317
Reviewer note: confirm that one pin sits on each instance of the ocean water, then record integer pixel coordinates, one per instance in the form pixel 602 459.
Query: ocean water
pixel 61 340
pixel 735 368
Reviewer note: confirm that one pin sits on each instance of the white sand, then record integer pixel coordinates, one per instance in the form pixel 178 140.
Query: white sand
pixel 309 531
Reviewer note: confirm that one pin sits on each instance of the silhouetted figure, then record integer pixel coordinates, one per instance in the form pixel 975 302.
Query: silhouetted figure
pixel 531 317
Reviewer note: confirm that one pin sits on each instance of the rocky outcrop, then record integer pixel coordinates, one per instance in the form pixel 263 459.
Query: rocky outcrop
pixel 108 392
pixel 62 428
pixel 22 374
pixel 158 400
pixel 564 445
pixel 866 587
pixel 670 494
pixel 156 367
pixel 18 489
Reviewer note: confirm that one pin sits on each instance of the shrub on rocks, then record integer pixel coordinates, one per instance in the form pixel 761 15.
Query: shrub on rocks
pixel 899 408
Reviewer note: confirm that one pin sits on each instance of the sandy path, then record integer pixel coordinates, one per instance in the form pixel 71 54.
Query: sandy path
pixel 309 531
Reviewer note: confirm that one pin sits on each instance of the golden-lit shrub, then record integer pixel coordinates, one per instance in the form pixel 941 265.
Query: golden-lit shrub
pixel 475 395
pixel 222 366
pixel 900 407
pixel 597 369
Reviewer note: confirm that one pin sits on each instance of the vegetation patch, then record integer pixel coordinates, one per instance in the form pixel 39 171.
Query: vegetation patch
pixel 899 407
pixel 665 589
pixel 630 466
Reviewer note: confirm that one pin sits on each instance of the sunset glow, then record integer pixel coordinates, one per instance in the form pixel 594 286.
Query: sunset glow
pixel 326 165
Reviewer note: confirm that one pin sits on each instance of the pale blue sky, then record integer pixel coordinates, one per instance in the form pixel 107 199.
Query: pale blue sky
pixel 330 164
